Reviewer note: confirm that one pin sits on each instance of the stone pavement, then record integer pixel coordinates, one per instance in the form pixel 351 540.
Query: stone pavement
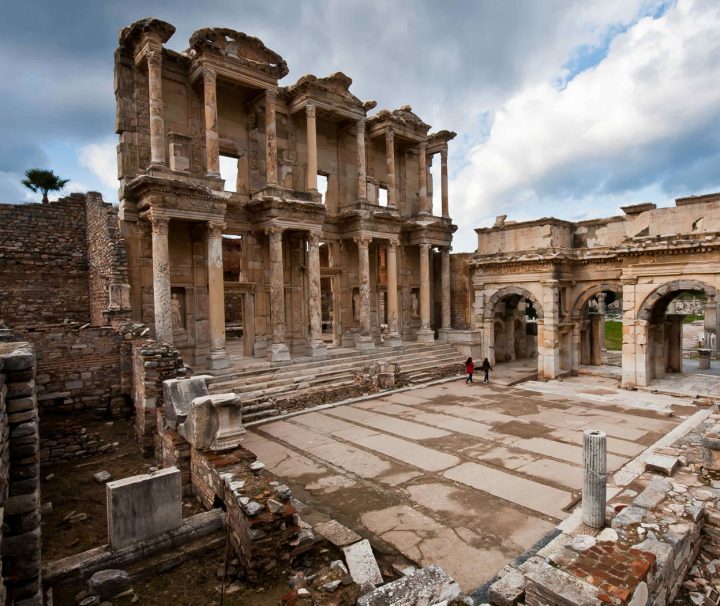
pixel 466 477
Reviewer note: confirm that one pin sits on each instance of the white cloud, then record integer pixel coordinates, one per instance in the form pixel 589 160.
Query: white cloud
pixel 550 151
pixel 101 159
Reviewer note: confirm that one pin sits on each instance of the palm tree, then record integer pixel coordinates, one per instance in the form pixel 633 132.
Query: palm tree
pixel 39 180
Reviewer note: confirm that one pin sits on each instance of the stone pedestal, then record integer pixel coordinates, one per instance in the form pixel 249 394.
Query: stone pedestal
pixel 278 352
pixel 364 343
pixel 594 478
pixel 214 423
pixel 443 335
pixel 426 335
pixel 704 359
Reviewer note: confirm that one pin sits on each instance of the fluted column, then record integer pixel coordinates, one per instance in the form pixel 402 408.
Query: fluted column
pixel 392 295
pixel 217 356
pixel 212 146
pixel 317 345
pixel 312 166
pixel 422 172
pixel 364 341
pixel 594 478
pixel 425 334
pixel 362 170
pixel 444 182
pixel 270 138
pixel 390 164
pixel 157 123
pixel 162 298
pixel 278 350
pixel 445 285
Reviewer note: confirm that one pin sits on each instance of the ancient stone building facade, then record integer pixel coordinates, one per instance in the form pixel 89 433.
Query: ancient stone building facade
pixel 542 287
pixel 267 254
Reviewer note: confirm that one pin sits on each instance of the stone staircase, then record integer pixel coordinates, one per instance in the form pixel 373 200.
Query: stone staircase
pixel 269 389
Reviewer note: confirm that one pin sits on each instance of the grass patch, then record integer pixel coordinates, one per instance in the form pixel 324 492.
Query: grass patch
pixel 690 318
pixel 613 335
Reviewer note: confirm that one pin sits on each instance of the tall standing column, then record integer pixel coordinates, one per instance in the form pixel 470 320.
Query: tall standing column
pixel 162 298
pixel 270 138
pixel 362 170
pixel 390 167
pixel 364 341
pixel 212 146
pixel 278 350
pixel 445 286
pixel 425 334
pixel 317 345
pixel 444 182
pixel 602 309
pixel 394 339
pixel 422 173
pixel 217 356
pixel 157 123
pixel 312 166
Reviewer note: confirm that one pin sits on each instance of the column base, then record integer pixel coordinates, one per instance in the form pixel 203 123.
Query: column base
pixel 218 359
pixel 393 340
pixel 364 343
pixel 426 335
pixel 443 335
pixel 278 352
pixel 317 349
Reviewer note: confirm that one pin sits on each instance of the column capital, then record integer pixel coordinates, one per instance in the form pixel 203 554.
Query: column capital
pixel 310 110
pixel 393 242
pixel 154 57
pixel 389 135
pixel 443 154
pixel 159 224
pixel 314 237
pixel 422 147
pixel 216 229
pixel 208 73
pixel 270 95
pixel 360 125
pixel 362 241
pixel 274 230
pixel 425 246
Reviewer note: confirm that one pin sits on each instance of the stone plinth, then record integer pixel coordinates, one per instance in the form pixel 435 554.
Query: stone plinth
pixel 426 335
pixel 214 423
pixel 704 359
pixel 178 396
pixel 143 506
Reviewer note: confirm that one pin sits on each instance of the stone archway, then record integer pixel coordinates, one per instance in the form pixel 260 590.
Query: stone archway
pixel 590 323
pixel 508 336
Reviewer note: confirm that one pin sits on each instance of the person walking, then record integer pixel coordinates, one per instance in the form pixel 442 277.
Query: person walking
pixel 469 369
pixel 486 368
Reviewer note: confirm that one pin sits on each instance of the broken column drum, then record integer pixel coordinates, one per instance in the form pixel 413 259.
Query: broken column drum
pixel 594 478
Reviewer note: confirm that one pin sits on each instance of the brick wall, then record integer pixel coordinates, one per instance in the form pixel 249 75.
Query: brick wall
pixel 19 477
pixel 460 291
pixel 43 262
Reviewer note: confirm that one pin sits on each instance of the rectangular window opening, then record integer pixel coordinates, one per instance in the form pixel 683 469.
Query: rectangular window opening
pixel 382 195
pixel 322 185
pixel 229 172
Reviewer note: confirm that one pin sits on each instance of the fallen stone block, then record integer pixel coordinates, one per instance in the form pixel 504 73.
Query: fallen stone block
pixel 362 564
pixel 214 423
pixel 653 494
pixel 430 585
pixel 178 396
pixel 337 534
pixel 102 476
pixel 109 583
pixel 508 590
pixel 662 463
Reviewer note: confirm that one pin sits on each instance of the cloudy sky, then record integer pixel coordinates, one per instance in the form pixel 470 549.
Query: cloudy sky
pixel 562 108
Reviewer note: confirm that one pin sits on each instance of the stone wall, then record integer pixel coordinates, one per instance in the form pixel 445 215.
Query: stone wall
pixel 19 478
pixel 63 439
pixel 44 266
pixel 461 291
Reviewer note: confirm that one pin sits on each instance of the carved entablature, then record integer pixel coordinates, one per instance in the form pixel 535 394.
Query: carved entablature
pixel 238 47
pixel 144 35
pixel 439 141
pixel 331 94
pixel 403 122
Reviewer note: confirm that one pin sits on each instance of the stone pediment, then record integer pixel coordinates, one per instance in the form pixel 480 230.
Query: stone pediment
pixel 403 121
pixel 132 34
pixel 248 50
pixel 334 88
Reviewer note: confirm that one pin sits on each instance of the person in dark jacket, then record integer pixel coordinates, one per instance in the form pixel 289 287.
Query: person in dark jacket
pixel 469 369
pixel 486 368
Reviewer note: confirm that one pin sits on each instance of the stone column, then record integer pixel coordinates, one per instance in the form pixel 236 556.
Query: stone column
pixel 445 288
pixel 270 138
pixel 710 323
pixel 212 146
pixel 602 309
pixel 425 334
pixel 161 280
pixel 362 170
pixel 312 167
pixel 444 183
pixel 278 350
pixel 549 344
pixel 390 164
pixel 364 341
pixel 316 347
pixel 594 478
pixel 157 123
pixel 422 172
pixel 394 339
pixel 217 356
pixel 633 368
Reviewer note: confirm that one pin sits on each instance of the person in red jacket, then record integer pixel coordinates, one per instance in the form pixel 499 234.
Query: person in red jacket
pixel 469 369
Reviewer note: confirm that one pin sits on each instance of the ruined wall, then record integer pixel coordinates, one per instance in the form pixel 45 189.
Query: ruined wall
pixel 44 267
pixel 19 478
pixel 461 291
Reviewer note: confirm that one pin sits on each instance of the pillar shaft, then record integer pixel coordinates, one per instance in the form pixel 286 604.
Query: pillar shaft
pixel 162 298
pixel 424 286
pixel 212 146
pixel 157 123
pixel 444 183
pixel 270 138
pixel 277 287
pixel 390 164
pixel 217 357
pixel 392 293
pixel 312 166
pixel 363 243
pixel 314 287
pixel 362 171
pixel 445 284
pixel 594 478
pixel 422 173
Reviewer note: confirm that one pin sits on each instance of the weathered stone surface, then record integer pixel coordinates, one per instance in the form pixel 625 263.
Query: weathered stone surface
pixel 109 583
pixel 214 422
pixel 508 590
pixel 662 463
pixel 179 395
pixel 653 493
pixel 362 564
pixel 337 534
pixel 426 586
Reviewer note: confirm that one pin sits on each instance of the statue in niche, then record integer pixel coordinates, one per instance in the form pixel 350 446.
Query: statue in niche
pixel 177 315
pixel 414 304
